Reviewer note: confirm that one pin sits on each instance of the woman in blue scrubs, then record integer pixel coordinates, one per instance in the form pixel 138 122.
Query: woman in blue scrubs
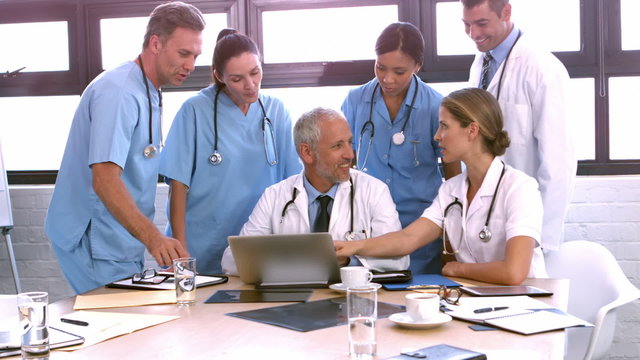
pixel 226 145
pixel 393 119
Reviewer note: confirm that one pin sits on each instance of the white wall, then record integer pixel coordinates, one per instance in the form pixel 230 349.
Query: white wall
pixel 605 209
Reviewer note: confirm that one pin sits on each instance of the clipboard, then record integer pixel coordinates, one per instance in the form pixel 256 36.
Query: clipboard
pixel 167 282
pixel 57 339
pixel 422 280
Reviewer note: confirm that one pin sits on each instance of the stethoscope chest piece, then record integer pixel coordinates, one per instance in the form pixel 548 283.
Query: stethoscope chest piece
pixel 215 158
pixel 398 138
pixel 485 234
pixel 150 151
pixel 349 236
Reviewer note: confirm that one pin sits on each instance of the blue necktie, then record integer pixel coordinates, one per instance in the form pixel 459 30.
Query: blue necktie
pixel 485 70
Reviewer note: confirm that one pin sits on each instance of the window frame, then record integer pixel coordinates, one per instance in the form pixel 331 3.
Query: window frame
pixel 83 17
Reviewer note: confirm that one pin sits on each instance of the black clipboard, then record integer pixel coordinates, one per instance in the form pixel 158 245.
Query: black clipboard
pixel 168 283
pixel 57 339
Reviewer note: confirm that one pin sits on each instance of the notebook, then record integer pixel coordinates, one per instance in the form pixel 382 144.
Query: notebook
pixel 520 314
pixel 286 260
pixel 9 332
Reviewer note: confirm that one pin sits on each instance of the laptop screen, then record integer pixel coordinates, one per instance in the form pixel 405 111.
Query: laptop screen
pixel 286 259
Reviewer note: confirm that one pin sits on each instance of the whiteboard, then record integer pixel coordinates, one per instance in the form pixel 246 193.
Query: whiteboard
pixel 6 220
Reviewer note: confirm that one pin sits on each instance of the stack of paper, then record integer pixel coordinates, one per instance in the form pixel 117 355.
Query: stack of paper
pixel 107 325
pixel 521 314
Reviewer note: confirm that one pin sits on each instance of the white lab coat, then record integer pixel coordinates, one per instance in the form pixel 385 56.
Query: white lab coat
pixel 533 99
pixel 375 215
pixel 517 211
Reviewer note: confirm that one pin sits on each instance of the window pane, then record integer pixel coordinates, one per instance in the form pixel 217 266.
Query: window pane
pixel 301 100
pixel 38 46
pixel 171 103
pixel 121 38
pixel 624 121
pixel 581 108
pixel 34 130
pixel 582 117
pixel 526 14
pixel 312 35
pixel 629 10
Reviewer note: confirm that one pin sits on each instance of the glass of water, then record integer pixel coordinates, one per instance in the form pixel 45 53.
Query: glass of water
pixel 362 311
pixel 33 312
pixel 185 278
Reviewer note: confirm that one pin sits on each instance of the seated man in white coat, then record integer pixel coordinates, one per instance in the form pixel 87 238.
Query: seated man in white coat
pixel 358 205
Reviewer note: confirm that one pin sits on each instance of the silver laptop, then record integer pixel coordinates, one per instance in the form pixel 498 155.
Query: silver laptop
pixel 9 322
pixel 293 260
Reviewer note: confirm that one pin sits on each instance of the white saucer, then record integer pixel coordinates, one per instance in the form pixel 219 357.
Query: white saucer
pixel 403 319
pixel 341 288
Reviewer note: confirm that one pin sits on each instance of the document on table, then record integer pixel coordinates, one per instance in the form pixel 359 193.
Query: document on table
pixel 125 299
pixel 523 314
pixel 106 325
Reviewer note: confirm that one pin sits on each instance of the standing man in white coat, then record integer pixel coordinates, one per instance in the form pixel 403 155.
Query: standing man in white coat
pixel 359 205
pixel 531 86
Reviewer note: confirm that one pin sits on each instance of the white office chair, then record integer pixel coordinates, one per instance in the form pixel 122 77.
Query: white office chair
pixel 597 288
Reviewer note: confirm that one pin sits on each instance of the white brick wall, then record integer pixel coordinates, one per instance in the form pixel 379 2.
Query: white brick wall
pixel 605 209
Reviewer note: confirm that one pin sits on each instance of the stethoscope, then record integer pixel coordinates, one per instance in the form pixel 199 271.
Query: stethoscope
pixel 216 157
pixel 505 65
pixel 150 151
pixel 485 234
pixel 397 138
pixel 349 235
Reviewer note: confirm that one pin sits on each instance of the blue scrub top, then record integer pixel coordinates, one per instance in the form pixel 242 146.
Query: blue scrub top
pixel 111 124
pixel 411 169
pixel 221 197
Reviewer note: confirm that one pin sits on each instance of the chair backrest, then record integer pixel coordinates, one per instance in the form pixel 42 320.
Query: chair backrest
pixel 597 287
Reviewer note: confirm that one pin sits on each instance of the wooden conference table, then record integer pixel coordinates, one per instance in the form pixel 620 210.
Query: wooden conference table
pixel 204 331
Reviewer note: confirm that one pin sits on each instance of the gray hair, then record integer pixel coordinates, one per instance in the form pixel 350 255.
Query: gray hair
pixel 307 128
pixel 166 18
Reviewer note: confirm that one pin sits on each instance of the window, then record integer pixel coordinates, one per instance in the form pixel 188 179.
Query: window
pixel 122 38
pixel 313 52
pixel 50 54
pixel 526 14
pixel 630 27
pixel 37 129
pixel 292 36
pixel 624 121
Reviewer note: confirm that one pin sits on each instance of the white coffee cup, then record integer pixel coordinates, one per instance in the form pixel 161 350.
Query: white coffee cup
pixel 353 276
pixel 422 306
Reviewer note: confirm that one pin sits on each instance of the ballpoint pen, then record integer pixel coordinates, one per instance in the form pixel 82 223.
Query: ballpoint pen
pixel 489 309
pixel 74 322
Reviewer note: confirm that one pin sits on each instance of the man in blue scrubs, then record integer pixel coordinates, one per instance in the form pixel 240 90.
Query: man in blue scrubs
pixel 100 217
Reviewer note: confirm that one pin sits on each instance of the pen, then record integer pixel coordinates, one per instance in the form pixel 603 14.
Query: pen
pixel 74 322
pixel 489 309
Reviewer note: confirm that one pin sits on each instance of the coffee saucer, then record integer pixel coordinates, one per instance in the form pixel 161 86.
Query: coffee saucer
pixel 404 320
pixel 340 287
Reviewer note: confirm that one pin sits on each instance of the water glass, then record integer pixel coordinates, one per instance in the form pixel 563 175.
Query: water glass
pixel 185 278
pixel 33 313
pixel 362 311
